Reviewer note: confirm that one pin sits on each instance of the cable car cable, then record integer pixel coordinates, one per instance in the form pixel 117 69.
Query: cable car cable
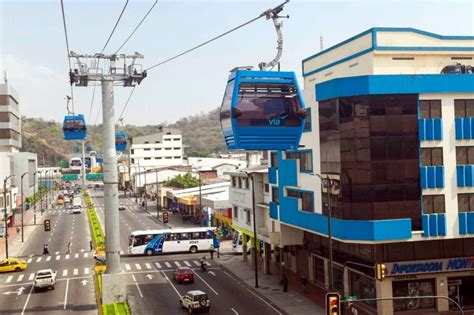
pixel 136 28
pixel 67 52
pixel 263 14
pixel 126 104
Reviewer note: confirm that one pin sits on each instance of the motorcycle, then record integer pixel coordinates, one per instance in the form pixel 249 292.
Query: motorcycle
pixel 203 266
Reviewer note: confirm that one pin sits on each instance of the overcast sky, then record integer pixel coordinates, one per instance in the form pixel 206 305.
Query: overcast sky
pixel 33 48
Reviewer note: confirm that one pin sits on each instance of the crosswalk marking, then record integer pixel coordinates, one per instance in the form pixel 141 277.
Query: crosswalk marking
pixel 158 265
pixel 127 266
pixel 86 270
pixel 187 263
pixel 32 275
pixel 20 277
pixel 64 272
pixel 29 260
pixel 9 279
pixel 76 271
pixel 167 264
pixel 39 259
pixel 67 256
pixel 197 263
pixel 138 266
pixel 58 257
pixel 208 263
pixel 48 258
pixel 147 265
pixel 76 255
pixel 177 263
pixel 86 255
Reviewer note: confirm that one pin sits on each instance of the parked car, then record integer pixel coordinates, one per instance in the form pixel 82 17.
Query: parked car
pixel 45 279
pixel 12 264
pixel 184 274
pixel 195 301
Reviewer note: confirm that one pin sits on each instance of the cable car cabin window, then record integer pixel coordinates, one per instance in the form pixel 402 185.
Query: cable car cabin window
pixel 268 105
pixel 120 140
pixel 74 124
pixel 226 105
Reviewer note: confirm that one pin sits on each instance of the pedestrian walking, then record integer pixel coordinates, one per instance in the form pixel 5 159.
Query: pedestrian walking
pixel 91 245
pixel 68 248
pixel 285 283
pixel 45 249
pixel 211 251
pixel 17 230
pixel 304 283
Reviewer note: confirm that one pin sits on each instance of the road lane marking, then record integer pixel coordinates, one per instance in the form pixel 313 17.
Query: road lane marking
pixel 235 312
pixel 167 264
pixel 147 265
pixel 177 263
pixel 27 299
pixel 67 256
pixel 58 257
pixel 197 263
pixel 39 259
pixel 29 260
pixel 31 276
pixel 65 294
pixel 172 285
pixel 127 266
pixel 9 279
pixel 20 277
pixel 86 270
pixel 138 288
pixel 76 255
pixel 215 292
pixel 64 272
pixel 86 255
pixel 158 265
pixel 138 266
pixel 75 272
pixel 187 263
pixel 48 258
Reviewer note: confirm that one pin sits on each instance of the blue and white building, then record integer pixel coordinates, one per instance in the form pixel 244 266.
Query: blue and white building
pixel 397 139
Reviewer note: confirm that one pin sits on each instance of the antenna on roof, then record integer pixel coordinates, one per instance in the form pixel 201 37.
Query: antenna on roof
pixel 321 42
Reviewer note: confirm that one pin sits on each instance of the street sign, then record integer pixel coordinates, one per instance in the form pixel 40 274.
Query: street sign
pixel 350 298
pixel 165 217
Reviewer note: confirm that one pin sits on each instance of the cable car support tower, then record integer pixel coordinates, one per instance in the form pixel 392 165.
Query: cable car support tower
pixel 87 70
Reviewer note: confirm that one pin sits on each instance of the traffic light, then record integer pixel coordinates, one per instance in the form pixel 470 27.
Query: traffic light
pixel 333 304
pixel 165 217
pixel 47 225
pixel 380 271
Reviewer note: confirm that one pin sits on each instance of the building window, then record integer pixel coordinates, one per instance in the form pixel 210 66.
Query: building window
pixel 413 288
pixel 177 139
pixel 146 142
pixel 168 157
pixel 167 148
pixel 236 212
pixel 306 197
pixel 274 159
pixel 157 149
pixel 463 108
pixel 275 194
pixel 305 158
pixel 318 269
pixel 266 187
pixel 157 141
pixel 430 109
pixel 132 151
pixel 177 157
pixel 431 156
pixel 247 216
pixel 433 204
pixel 148 158
pixel 466 202
pixel 234 181
pixel 240 182
pixel 147 149
pixel 177 148
pixel 158 158
pixel 363 287
pixel 307 124
pixel 464 155
pixel 133 161
pixel 167 139
pixel 247 185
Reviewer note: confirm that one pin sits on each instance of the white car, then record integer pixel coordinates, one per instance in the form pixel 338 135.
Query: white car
pixel 76 209
pixel 195 301
pixel 45 278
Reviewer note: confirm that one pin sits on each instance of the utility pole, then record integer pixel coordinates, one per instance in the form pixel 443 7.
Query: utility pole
pixel 83 167
pixel 22 208
pixel 5 209
pixel 131 75
pixel 34 197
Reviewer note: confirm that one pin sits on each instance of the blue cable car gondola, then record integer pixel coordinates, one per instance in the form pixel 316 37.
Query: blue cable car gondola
pixel 120 141
pixel 262 110
pixel 74 127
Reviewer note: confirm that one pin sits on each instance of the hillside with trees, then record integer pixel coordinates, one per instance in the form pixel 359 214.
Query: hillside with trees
pixel 202 137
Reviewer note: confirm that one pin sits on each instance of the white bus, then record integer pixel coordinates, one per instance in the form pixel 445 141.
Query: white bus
pixel 152 242
pixel 237 243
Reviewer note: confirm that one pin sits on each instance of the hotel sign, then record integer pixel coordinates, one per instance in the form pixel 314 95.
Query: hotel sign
pixel 430 266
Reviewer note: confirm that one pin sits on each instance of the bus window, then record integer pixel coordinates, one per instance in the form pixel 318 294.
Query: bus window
pixel 148 238
pixel 184 236
pixel 130 241
pixel 196 236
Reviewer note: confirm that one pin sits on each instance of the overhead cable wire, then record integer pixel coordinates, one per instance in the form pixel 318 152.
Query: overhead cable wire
pixel 136 28
pixel 263 14
pixel 126 104
pixel 67 52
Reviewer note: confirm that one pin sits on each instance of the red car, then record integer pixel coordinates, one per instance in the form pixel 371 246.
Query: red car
pixel 184 274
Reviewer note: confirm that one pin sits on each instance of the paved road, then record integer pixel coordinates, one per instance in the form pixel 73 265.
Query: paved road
pixel 150 285
pixel 74 290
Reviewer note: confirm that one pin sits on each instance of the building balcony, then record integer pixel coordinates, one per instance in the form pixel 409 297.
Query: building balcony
pixel 430 129
pixel 465 175
pixel 466 223
pixel 432 177
pixel 464 128
pixel 273 210
pixel 434 224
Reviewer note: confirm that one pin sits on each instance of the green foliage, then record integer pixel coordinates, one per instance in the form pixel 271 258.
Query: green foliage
pixel 97 232
pixel 199 153
pixel 183 181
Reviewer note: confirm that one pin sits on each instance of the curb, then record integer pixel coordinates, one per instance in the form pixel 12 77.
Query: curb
pixel 266 299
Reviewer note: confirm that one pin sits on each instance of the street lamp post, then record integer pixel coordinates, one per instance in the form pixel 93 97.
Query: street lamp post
pixel 22 208
pixel 5 209
pixel 34 197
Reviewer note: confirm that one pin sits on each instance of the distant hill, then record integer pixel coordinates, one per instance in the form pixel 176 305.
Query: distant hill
pixel 202 136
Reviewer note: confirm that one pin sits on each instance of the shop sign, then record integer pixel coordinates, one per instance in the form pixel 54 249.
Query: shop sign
pixel 441 265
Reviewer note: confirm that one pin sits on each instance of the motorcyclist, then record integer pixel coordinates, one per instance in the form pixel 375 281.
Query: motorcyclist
pixel 203 264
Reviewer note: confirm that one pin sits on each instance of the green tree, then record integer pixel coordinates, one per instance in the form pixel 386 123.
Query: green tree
pixel 199 152
pixel 183 181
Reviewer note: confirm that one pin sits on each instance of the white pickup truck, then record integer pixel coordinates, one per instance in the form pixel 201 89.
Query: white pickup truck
pixel 45 279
